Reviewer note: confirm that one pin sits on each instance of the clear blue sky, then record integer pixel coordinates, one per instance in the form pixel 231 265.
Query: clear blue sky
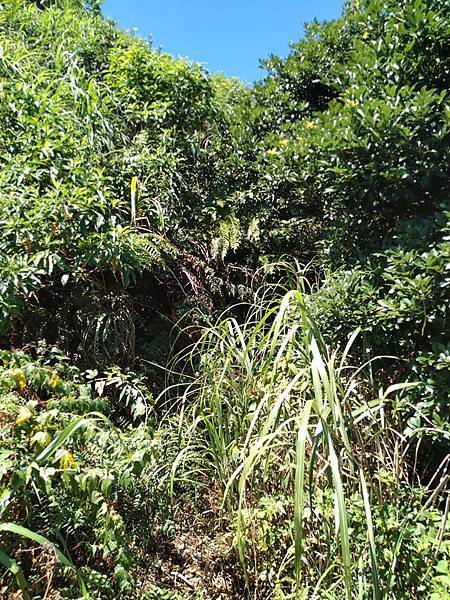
pixel 227 35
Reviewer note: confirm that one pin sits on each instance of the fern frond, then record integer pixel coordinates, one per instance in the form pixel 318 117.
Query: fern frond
pixel 229 238
pixel 253 231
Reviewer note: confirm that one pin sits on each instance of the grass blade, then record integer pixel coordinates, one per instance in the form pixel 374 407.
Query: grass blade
pixel 370 533
pixel 300 488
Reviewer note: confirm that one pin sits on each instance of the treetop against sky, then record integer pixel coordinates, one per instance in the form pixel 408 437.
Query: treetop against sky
pixel 227 36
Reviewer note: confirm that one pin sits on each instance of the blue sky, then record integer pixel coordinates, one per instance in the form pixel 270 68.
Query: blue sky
pixel 227 35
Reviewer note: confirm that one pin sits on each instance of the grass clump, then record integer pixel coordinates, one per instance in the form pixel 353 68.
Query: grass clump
pixel 317 472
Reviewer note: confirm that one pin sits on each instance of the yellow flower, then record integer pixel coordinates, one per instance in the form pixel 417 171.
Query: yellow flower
pixel 66 459
pixel 19 378
pixel 351 103
pixel 54 380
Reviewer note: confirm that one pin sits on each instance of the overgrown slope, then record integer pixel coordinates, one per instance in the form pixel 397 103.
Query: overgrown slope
pixel 224 312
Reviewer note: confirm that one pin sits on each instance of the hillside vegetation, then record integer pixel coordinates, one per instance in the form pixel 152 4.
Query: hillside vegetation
pixel 224 335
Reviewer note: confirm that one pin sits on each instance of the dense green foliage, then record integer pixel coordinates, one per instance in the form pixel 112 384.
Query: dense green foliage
pixel 294 446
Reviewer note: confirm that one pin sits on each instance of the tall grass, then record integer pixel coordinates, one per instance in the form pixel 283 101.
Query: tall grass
pixel 273 410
